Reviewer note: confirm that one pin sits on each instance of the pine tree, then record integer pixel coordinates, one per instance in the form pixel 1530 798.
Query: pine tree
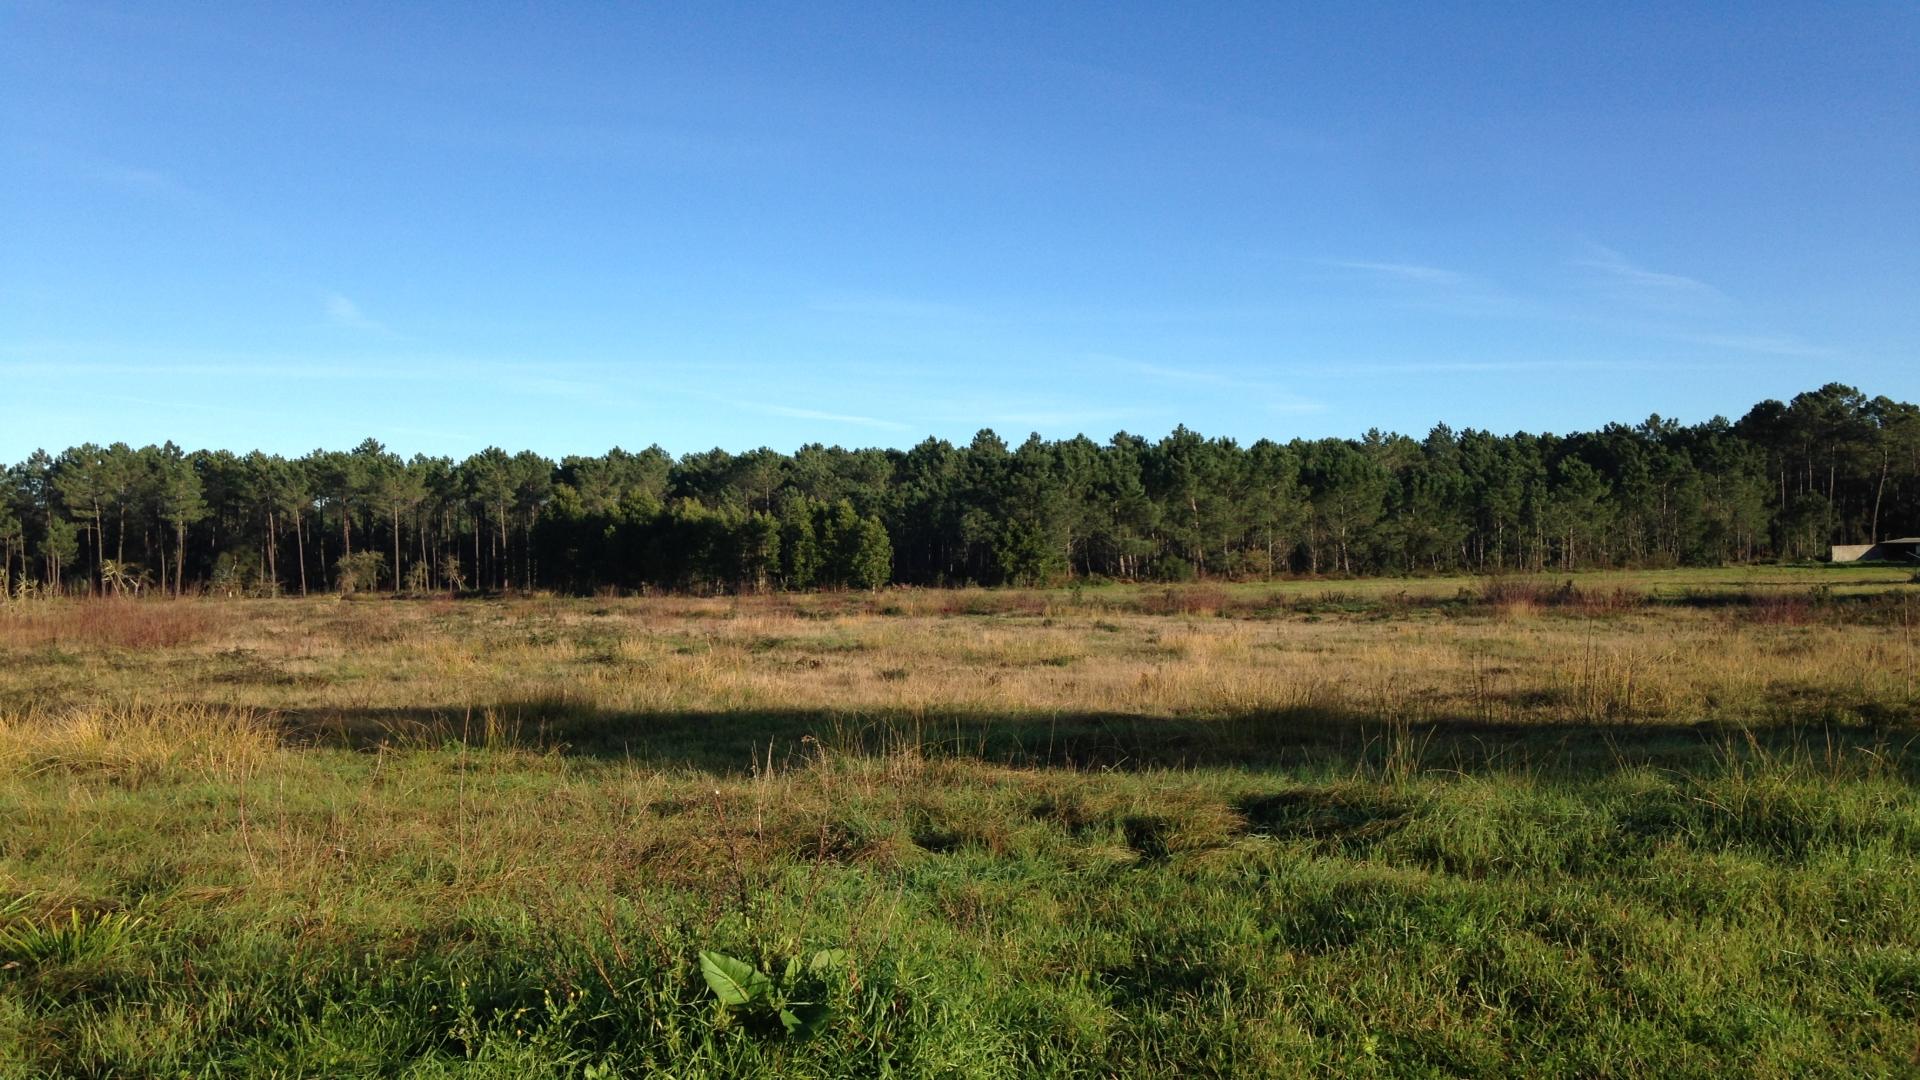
pixel 799 545
pixel 871 563
pixel 180 503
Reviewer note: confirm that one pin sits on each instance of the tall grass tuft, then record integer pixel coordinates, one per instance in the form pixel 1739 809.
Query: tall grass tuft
pixel 64 941
pixel 138 741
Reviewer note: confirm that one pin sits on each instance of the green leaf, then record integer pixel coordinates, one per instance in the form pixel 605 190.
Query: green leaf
pixel 804 1021
pixel 734 982
pixel 827 959
pixel 793 970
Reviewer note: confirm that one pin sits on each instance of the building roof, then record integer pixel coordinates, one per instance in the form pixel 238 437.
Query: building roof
pixel 1903 540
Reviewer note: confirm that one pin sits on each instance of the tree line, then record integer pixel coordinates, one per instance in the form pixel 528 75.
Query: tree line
pixel 1782 482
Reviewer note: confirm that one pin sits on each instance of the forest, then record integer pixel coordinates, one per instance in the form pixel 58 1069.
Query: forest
pixel 1781 483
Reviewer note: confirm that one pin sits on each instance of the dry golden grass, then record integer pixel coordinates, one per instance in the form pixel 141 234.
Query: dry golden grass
pixel 137 741
pixel 1513 656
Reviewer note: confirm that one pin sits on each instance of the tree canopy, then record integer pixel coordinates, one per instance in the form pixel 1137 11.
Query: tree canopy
pixel 1782 482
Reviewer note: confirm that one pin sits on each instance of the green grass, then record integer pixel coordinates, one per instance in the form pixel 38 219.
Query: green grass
pixel 1372 913
pixel 1356 886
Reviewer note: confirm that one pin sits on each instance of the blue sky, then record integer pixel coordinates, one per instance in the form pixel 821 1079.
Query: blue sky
pixel 566 227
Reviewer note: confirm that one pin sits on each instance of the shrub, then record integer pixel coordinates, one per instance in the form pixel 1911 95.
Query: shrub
pixel 1172 568
pixel 417 578
pixel 360 571
pixel 451 574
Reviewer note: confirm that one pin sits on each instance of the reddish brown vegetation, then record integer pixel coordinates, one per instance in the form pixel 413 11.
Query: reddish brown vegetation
pixel 120 624
pixel 1517 596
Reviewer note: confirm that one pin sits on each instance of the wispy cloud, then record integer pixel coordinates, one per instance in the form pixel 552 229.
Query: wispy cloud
pixel 1649 285
pixel 172 405
pixel 66 359
pixel 342 311
pixel 1762 343
pixel 129 178
pixel 640 146
pixel 1472 367
pixel 1265 393
pixel 1411 272
pixel 550 386
pixel 817 414
pixel 134 178
pixel 1463 367
pixel 875 305
pixel 1176 375
pixel 1434 288
pixel 1059 419
pixel 290 368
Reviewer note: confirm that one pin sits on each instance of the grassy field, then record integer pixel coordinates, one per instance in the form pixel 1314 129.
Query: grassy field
pixel 1599 825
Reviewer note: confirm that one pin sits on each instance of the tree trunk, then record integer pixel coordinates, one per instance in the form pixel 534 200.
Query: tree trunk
pixel 99 546
pixel 1832 468
pixel 300 540
pixel 1879 490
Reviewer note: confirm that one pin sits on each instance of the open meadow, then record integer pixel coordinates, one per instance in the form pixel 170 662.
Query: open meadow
pixel 1608 824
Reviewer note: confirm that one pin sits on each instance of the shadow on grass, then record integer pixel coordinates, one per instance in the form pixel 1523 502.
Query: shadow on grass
pixel 733 742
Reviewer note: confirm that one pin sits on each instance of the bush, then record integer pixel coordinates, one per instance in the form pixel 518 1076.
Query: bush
pixel 236 573
pixel 1172 568
pixel 360 571
pixel 418 578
